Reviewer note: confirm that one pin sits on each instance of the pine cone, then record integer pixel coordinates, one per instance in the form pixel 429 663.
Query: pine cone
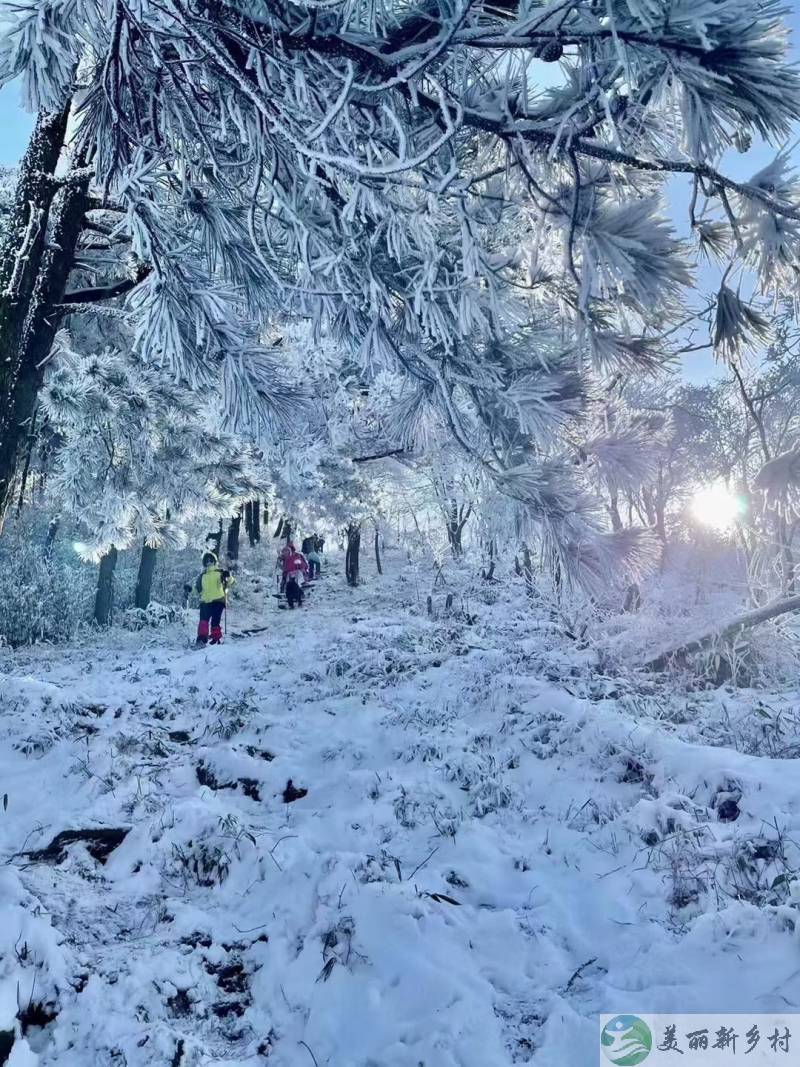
pixel 551 52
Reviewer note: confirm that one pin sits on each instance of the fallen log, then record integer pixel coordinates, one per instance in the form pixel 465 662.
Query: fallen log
pixel 736 626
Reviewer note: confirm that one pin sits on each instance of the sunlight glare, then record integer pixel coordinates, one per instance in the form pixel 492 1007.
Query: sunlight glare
pixel 717 507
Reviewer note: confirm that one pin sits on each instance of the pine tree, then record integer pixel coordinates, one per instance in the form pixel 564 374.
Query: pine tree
pixel 136 459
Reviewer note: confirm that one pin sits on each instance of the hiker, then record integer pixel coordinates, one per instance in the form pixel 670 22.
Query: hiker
pixel 280 566
pixel 212 585
pixel 296 574
pixel 314 562
pixel 309 543
pixel 320 544
pixel 292 562
pixel 295 563
pixel 294 592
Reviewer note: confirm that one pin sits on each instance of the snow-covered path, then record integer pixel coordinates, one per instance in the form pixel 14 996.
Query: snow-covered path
pixel 484 859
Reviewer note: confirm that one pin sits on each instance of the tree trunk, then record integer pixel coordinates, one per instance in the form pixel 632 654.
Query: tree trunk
pixel 788 583
pixel 144 579
pixel 279 529
pixel 35 261
pixel 456 521
pixel 378 551
pixel 743 622
pixel 613 509
pixel 265 516
pixel 214 540
pixel 49 541
pixel 488 574
pixel 661 504
pixel 248 521
pixel 633 598
pixel 351 556
pixel 527 568
pixel 254 532
pixel 234 528
pixel 104 599
pixel 28 456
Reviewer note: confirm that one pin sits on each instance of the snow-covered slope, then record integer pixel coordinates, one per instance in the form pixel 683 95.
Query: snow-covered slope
pixel 496 844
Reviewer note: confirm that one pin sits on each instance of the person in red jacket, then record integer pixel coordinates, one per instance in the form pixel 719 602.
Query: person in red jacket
pixel 297 564
pixel 293 563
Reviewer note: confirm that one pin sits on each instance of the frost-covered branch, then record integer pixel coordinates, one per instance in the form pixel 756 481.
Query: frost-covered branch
pixel 108 291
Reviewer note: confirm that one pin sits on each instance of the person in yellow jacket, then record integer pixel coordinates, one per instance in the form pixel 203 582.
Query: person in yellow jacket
pixel 212 585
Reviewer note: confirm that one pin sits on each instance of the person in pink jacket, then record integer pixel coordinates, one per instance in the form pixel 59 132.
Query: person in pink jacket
pixel 290 562
pixel 295 563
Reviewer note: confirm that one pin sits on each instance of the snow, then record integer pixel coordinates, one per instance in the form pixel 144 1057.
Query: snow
pixel 497 843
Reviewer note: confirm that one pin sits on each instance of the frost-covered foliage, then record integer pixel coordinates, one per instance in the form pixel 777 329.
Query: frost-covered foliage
pixel 405 178
pixel 136 457
pixel 8 177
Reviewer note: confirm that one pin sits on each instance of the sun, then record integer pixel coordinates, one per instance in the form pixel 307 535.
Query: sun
pixel 717 507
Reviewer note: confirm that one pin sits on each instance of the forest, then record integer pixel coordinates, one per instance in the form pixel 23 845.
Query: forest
pixel 399 533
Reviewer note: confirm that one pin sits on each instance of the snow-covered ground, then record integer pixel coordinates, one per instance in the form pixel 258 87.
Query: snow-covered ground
pixel 496 845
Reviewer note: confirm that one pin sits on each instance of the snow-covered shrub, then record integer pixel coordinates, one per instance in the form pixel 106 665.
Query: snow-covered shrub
pixel 480 776
pixel 757 870
pixel 35 968
pixel 152 617
pixel 229 716
pixel 204 863
pixel 751 724
pixel 45 598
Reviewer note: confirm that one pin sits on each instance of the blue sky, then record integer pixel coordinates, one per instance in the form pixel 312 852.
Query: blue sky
pixel 15 127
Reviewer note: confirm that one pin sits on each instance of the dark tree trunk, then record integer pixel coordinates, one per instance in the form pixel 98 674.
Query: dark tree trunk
pixel 214 540
pixel 144 579
pixel 254 528
pixel 279 528
pixel 49 541
pixel 28 456
pixel 265 516
pixel 456 521
pixel 104 599
pixel 352 552
pixel 378 551
pixel 558 580
pixel 35 261
pixel 234 527
pixel 527 569
pixel 248 520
